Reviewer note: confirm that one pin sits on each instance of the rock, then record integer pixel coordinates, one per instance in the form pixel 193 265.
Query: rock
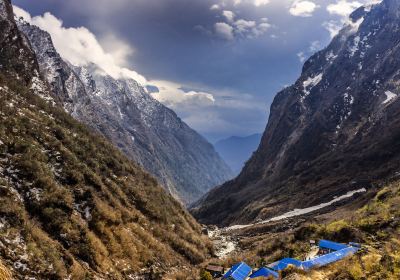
pixel 338 123
pixel 145 130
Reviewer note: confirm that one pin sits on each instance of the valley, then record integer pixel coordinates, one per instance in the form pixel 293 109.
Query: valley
pixel 99 179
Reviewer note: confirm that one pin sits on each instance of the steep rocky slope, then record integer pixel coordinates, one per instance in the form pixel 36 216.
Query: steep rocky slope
pixel 336 129
pixel 144 129
pixel 71 205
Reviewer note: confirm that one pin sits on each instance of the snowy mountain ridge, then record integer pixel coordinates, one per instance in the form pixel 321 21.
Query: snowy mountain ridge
pixel 143 128
pixel 334 130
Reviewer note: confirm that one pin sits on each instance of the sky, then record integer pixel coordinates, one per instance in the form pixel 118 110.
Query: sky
pixel 217 63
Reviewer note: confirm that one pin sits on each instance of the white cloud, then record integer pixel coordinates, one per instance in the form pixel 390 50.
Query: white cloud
pixel 198 108
pixel 343 8
pixel 302 56
pixel 262 28
pixel 22 13
pixel 79 46
pixel 303 8
pixel 243 26
pixel 333 27
pixel 256 3
pixel 229 15
pixel 224 30
pixel 250 28
pixel 203 30
pixel 237 28
pixel 215 7
pixel 261 2
pixel 172 95
pixel 315 46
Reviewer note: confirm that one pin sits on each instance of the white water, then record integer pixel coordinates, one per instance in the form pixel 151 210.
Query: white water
pixel 299 212
pixel 223 244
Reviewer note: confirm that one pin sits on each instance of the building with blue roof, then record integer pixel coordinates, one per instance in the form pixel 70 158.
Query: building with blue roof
pixel 329 258
pixel 337 251
pixel 330 245
pixel 284 263
pixel 265 272
pixel 239 271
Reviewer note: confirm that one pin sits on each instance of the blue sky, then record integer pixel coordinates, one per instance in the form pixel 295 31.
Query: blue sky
pixel 217 63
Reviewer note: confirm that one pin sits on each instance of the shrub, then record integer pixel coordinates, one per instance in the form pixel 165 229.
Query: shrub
pixel 205 275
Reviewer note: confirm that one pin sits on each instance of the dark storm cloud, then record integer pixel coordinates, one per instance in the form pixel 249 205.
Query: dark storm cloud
pixel 176 40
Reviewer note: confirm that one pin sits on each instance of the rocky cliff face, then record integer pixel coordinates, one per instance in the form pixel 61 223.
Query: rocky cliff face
pixel 71 205
pixel 336 128
pixel 144 129
pixel 15 52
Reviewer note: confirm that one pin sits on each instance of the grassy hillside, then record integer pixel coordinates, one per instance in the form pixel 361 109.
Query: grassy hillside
pixel 375 224
pixel 68 198
pixel 71 205
pixel 377 227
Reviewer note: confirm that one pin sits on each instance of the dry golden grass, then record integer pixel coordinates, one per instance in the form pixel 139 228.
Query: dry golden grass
pixel 97 212
pixel 5 274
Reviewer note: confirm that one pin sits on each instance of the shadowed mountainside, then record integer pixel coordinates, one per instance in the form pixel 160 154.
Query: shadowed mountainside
pixel 336 129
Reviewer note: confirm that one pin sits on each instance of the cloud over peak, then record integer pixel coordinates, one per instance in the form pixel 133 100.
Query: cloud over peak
pixel 80 47
pixel 343 7
pixel 173 95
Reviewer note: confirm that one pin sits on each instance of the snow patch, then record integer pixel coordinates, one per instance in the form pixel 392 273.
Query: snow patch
pixel 355 26
pixel 2 223
pixel 299 212
pixel 35 193
pixel 88 216
pixel 310 83
pixel 330 57
pixel 389 96
pixel 348 98
pixel 355 47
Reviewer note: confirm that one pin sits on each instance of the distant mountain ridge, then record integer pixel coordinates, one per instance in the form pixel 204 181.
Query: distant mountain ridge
pixel 336 129
pixel 237 150
pixel 145 130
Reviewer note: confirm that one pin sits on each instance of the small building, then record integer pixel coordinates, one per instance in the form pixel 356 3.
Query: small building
pixel 329 258
pixel 284 263
pixel 327 246
pixel 215 270
pixel 264 272
pixel 239 271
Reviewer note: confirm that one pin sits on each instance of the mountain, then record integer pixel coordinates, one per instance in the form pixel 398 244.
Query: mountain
pixel 235 150
pixel 336 129
pixel 145 130
pixel 71 205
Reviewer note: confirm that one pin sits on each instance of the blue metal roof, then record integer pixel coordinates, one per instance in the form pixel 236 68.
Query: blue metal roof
pixel 331 245
pixel 239 271
pixel 329 258
pixel 282 264
pixel 264 272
